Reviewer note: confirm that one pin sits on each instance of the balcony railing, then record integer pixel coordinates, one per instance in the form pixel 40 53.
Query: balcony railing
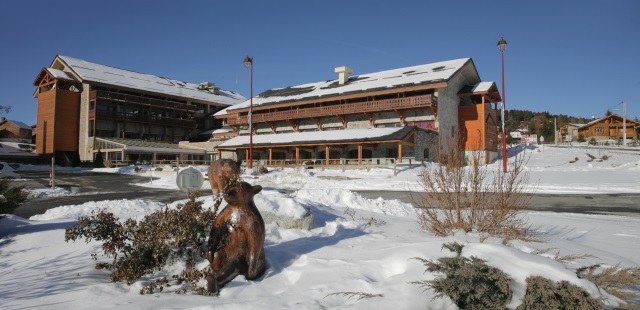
pixel 137 118
pixel 341 109
pixel 108 95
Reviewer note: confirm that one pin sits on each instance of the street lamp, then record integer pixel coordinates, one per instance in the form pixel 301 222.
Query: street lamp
pixel 502 45
pixel 248 63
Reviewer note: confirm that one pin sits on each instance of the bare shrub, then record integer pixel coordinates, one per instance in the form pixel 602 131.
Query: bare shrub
pixel 357 295
pixel 472 198
pixel 543 293
pixel 565 259
pixel 620 282
pixel 469 282
pixel 159 239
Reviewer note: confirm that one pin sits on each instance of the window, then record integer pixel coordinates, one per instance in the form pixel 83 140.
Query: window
pixel 598 130
pixel 392 153
pixel 365 153
pixel 426 154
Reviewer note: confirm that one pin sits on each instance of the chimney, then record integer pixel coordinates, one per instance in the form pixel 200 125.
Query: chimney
pixel 205 85
pixel 343 74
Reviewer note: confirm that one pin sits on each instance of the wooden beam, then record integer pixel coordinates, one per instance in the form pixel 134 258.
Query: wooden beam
pixel 317 121
pixel 293 124
pixel 326 154
pixel 272 125
pixel 370 117
pixel 399 152
pixel 359 154
pixel 400 116
pixel 352 96
pixel 342 120
pixel 297 155
pixel 270 156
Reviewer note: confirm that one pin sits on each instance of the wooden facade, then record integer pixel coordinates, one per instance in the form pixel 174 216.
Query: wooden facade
pixel 10 131
pixel 478 126
pixel 57 119
pixel 609 128
pixel 569 132
pixel 435 105
pixel 79 101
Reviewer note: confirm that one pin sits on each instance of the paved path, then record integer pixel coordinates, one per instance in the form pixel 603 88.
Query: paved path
pixel 91 186
pixel 618 204
pixel 94 186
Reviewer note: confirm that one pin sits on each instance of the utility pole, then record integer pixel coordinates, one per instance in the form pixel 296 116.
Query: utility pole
pixel 555 132
pixel 624 123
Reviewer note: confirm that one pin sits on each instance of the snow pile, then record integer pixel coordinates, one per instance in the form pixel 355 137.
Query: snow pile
pixel 122 209
pixel 304 266
pixel 342 198
pixel 49 193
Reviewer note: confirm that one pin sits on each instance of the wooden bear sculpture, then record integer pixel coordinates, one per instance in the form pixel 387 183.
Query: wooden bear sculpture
pixel 236 242
pixel 222 173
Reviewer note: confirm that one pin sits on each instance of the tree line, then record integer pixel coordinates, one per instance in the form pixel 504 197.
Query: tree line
pixel 539 123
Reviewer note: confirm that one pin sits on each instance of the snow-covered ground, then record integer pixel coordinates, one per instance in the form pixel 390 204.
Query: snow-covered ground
pixel 370 251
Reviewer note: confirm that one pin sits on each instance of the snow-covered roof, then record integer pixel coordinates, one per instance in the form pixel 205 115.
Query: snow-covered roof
pixel 17 149
pixel 93 72
pixel 20 124
pixel 575 125
pixel 402 77
pixel 60 75
pixel 369 134
pixel 482 87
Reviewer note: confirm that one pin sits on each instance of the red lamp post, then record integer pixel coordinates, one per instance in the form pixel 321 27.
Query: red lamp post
pixel 502 45
pixel 248 63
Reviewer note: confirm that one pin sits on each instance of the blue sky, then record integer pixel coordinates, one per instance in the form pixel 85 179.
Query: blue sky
pixel 565 57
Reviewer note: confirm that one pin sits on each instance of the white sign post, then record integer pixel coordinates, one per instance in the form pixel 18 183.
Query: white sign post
pixel 189 180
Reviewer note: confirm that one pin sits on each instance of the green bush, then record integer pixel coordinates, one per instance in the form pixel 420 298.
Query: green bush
pixel 581 138
pixel 15 196
pixel 159 239
pixel 469 282
pixel 592 141
pixel 545 294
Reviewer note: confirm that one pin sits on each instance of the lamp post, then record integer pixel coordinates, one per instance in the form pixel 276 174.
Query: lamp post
pixel 502 45
pixel 248 63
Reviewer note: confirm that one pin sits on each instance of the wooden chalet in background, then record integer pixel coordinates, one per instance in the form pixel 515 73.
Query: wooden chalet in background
pixel 85 107
pixel 569 132
pixel 15 131
pixel 370 118
pixel 609 127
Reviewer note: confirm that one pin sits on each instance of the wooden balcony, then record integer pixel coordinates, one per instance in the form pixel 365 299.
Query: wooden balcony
pixel 137 118
pixel 341 109
pixel 138 100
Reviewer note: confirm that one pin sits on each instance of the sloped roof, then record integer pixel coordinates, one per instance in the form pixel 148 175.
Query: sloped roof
pixel 314 137
pixel 629 121
pixel 60 75
pixel 92 72
pixel 396 78
pixel 18 123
